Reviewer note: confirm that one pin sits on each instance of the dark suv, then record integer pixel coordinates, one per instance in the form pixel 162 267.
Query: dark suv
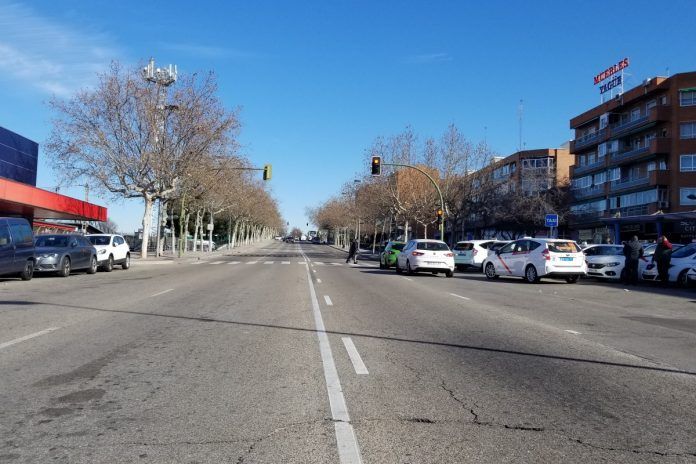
pixel 16 248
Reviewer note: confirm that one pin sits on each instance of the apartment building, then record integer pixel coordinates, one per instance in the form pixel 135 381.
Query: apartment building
pixel 635 163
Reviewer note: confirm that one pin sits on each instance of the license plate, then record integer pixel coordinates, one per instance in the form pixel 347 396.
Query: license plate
pixel 462 254
pixel 566 259
pixel 432 262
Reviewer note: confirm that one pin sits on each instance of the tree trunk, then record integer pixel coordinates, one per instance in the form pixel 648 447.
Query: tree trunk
pixel 183 225
pixel 374 238
pixel 171 218
pixel 406 232
pixel 147 225
pixel 210 233
pixel 195 230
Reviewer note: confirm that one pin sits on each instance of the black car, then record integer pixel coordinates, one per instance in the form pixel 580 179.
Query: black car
pixel 62 253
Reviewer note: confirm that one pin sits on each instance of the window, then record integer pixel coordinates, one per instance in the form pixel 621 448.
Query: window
pixel 661 165
pixel 635 114
pixel 60 241
pixel 508 248
pixel 636 199
pixel 685 251
pixel 687 163
pixel 562 247
pixel 432 246
pixel 99 239
pixel 600 178
pixel 21 233
pixel 663 100
pixel 4 236
pixel 614 174
pixel 687 196
pixel 650 104
pixel 687 97
pixel 687 130
pixel 582 182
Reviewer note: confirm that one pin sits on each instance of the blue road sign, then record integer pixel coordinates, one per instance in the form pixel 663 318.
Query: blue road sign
pixel 551 220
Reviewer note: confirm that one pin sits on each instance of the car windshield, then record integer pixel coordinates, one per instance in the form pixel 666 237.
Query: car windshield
pixel 563 247
pixel 685 251
pixel 605 251
pixel 397 246
pixel 464 246
pixel 99 239
pixel 60 241
pixel 432 246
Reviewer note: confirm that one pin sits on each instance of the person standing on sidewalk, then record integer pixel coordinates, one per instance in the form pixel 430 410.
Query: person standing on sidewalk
pixel 353 252
pixel 633 251
pixel 662 258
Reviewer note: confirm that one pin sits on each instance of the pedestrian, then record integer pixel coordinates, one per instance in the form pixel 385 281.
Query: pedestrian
pixel 662 258
pixel 633 251
pixel 353 252
pixel 609 241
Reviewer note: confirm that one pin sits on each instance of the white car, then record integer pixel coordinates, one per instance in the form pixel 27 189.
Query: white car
pixel 496 245
pixel 604 261
pixel 470 253
pixel 691 276
pixel 111 249
pixel 534 258
pixel 682 260
pixel 425 255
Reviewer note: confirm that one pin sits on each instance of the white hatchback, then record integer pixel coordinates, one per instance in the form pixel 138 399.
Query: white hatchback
pixel 111 249
pixel 425 255
pixel 605 261
pixel 470 253
pixel 534 258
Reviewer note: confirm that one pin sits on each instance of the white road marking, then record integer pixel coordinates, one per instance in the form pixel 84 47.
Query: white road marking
pixel 407 278
pixel 233 262
pixel 459 296
pixel 318 263
pixel 314 271
pixel 328 300
pixel 348 448
pixel 335 264
pixel 198 262
pixel 252 262
pixel 354 356
pixel 285 262
pixel 27 337
pixel 162 292
pixel 268 262
pixel 302 262
pixel 573 332
pixel 217 262
pixel 318 281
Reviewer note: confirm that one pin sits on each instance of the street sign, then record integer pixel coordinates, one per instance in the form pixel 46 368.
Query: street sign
pixel 551 220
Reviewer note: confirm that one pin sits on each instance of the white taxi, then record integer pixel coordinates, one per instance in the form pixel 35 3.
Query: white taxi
pixel 534 258
pixel 425 255
pixel 681 261
pixel 605 261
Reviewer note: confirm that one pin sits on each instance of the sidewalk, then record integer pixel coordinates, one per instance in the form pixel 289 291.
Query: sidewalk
pixel 191 256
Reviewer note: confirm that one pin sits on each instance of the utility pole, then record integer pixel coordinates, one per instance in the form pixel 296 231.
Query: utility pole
pixel 520 112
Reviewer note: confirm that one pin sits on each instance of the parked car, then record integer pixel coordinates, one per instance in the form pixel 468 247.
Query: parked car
pixel 691 276
pixel 682 260
pixel 471 253
pixel 605 261
pixel 534 258
pixel 16 248
pixel 111 249
pixel 63 253
pixel 425 255
pixel 387 258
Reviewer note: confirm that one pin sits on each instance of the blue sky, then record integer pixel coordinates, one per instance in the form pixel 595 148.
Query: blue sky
pixel 317 81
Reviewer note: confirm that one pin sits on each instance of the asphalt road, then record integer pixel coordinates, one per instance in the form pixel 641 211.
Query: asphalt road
pixel 286 354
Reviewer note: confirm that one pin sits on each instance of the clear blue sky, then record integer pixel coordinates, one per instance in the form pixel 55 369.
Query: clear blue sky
pixel 317 81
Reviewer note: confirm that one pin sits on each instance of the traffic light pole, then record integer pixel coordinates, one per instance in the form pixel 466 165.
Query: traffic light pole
pixel 437 187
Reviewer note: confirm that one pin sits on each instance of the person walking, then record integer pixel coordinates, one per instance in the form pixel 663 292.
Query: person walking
pixel 662 258
pixel 353 252
pixel 633 251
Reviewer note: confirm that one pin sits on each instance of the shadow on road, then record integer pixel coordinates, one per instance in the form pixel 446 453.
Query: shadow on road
pixel 362 335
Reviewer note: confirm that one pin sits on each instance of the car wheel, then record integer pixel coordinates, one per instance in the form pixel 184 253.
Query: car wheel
pixel 28 271
pixel 64 270
pixel 409 271
pixel 490 272
pixel 109 266
pixel 126 263
pixel 92 269
pixel 398 269
pixel 449 273
pixel 572 279
pixel 682 279
pixel 531 275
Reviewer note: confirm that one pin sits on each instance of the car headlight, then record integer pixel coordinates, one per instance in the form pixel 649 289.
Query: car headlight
pixel 102 251
pixel 49 255
pixel 649 266
pixel 613 264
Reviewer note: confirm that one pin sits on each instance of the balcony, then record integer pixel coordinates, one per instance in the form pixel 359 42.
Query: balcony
pixel 588 140
pixel 595 190
pixel 577 170
pixel 587 216
pixel 638 210
pixel 624 184
pixel 656 114
pixel 657 146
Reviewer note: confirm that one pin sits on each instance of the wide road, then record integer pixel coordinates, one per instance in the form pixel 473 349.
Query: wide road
pixel 286 354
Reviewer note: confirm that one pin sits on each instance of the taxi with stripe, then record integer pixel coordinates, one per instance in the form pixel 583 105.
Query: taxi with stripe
pixel 534 258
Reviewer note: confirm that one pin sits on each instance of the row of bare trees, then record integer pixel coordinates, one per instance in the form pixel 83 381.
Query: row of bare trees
pixel 403 199
pixel 175 145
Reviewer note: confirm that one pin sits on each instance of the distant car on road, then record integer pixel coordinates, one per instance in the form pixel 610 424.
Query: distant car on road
pixel 111 249
pixel 425 255
pixel 16 248
pixel 63 253
pixel 534 258
pixel 471 253
pixel 387 258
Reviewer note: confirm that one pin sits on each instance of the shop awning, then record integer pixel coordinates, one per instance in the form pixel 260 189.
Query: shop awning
pixel 25 200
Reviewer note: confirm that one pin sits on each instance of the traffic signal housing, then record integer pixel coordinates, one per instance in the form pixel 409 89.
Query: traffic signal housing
pixel 439 215
pixel 376 165
pixel 267 171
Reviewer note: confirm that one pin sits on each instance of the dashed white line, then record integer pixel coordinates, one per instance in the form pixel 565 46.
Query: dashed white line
pixel 27 337
pixel 335 264
pixel 268 262
pixel 252 262
pixel 328 300
pixel 354 356
pixel 285 262
pixel 348 448
pixel 162 292
pixel 233 262
pixel 318 281
pixel 407 278
pixel 198 262
pixel 459 296
pixel 217 262
pixel 573 332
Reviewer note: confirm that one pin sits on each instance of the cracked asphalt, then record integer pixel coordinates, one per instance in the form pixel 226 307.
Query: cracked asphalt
pixel 226 368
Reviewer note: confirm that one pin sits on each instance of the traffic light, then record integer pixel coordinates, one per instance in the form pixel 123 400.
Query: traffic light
pixel 267 172
pixel 439 215
pixel 376 165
